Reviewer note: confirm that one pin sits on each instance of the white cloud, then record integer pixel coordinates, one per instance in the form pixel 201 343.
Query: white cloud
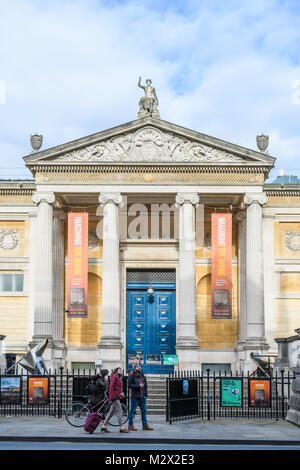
pixel 225 69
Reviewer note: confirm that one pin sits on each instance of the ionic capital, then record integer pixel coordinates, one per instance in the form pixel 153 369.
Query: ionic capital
pixel 182 198
pixel 255 198
pixel 37 198
pixel 115 198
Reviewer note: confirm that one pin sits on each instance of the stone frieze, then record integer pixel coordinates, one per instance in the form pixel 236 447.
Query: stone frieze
pixel 149 145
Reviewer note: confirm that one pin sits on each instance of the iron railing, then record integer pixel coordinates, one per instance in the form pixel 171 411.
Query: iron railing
pixel 24 394
pixel 194 395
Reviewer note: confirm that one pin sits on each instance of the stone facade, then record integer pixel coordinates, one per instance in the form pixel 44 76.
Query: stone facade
pixel 144 164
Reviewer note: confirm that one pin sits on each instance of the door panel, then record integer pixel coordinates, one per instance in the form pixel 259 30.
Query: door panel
pixel 151 325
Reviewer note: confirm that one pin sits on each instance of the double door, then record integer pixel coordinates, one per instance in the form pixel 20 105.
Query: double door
pixel 151 325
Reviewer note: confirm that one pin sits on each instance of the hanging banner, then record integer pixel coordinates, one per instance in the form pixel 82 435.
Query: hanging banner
pixel 77 264
pixel 221 278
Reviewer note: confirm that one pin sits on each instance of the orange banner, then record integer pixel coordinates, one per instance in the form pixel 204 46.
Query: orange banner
pixel 221 278
pixel 77 264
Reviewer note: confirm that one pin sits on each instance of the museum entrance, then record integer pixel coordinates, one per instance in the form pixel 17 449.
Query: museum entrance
pixel 150 319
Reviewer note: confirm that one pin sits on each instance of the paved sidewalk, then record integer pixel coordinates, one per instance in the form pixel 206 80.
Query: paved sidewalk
pixel 215 431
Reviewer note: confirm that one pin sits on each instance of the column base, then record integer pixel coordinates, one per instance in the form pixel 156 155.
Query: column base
pixel 188 352
pixel 111 353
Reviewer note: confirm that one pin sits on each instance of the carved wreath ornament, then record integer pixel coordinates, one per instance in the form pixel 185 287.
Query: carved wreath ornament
pixel 292 240
pixel 9 239
pixel 149 145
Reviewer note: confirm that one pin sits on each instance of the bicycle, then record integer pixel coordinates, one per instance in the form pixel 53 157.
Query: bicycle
pixel 77 412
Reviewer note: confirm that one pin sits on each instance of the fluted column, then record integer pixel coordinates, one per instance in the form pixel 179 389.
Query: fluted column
pixel 187 341
pixel 110 344
pixel 255 328
pixel 43 300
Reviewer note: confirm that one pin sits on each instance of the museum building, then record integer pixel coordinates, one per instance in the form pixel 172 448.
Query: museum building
pixel 151 192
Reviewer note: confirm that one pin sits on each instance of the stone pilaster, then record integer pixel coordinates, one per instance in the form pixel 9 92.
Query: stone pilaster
pixel 240 218
pixel 110 345
pixel 58 286
pixel 43 299
pixel 187 345
pixel 255 325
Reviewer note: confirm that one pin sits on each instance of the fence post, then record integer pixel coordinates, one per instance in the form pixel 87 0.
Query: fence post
pixel 208 396
pixel 282 393
pixel 60 393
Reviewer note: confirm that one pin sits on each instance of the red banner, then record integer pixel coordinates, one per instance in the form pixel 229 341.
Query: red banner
pixel 221 278
pixel 77 264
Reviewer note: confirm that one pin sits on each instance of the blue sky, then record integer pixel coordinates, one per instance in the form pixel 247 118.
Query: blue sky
pixel 69 68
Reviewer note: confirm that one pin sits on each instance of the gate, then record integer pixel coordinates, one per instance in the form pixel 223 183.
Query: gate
pixel 192 395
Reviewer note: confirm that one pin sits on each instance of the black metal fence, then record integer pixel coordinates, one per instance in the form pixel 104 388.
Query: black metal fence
pixel 23 394
pixel 193 395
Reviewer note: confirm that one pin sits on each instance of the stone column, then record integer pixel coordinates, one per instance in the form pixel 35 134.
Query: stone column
pixel 187 345
pixel 110 345
pixel 240 217
pixel 58 286
pixel 255 327
pixel 43 299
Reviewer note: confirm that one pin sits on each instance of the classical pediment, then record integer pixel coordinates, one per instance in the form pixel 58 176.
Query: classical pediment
pixel 149 141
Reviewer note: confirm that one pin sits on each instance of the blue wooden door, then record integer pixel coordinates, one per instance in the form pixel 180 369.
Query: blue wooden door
pixel 151 324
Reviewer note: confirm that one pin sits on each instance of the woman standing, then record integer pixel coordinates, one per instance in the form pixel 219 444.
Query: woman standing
pixel 101 383
pixel 115 394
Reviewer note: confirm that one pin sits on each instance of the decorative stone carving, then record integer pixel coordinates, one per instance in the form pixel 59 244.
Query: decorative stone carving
pixel 207 239
pixel 262 142
pixel 116 198
pixel 292 240
pixel 47 197
pixel 181 198
pixel 149 102
pixel 258 198
pixel 9 239
pixel 149 144
pixel 36 141
pixel 93 241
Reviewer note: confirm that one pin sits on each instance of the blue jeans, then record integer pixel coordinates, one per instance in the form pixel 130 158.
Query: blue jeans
pixel 142 403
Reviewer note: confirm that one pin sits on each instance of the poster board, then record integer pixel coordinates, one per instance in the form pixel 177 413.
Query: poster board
pixel 38 391
pixel 231 392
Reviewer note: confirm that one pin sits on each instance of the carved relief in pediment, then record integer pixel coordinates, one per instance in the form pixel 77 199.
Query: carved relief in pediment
pixel 149 145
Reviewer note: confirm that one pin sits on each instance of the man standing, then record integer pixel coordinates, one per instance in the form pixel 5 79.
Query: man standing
pixel 138 385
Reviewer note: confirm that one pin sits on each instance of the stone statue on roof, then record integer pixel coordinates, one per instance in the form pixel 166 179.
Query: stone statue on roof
pixel 149 102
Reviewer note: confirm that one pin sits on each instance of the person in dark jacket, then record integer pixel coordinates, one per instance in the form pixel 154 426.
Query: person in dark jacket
pixel 101 382
pixel 115 394
pixel 137 383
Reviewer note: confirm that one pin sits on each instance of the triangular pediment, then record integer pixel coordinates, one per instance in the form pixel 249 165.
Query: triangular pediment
pixel 148 141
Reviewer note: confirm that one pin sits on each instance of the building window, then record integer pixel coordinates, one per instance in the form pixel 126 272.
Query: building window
pixel 11 282
pixel 83 367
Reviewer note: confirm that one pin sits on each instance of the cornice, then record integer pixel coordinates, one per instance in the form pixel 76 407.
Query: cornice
pixel 140 167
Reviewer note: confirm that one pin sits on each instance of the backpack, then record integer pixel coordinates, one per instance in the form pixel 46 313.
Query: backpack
pixel 91 387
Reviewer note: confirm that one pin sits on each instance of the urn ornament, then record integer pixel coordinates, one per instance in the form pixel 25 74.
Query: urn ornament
pixel 36 141
pixel 262 142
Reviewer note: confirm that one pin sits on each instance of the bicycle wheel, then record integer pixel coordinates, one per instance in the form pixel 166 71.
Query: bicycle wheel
pixel 77 413
pixel 114 419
